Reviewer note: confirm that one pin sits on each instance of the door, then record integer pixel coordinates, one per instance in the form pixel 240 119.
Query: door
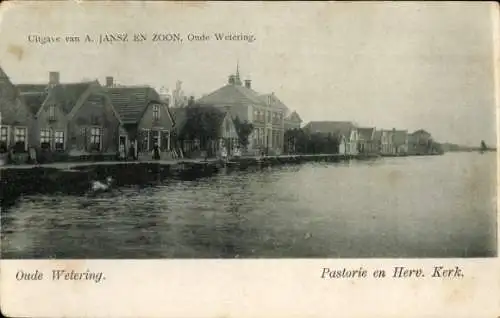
pixel 122 146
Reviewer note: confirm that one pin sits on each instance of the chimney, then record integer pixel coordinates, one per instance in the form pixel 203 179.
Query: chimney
pixel 53 78
pixel 231 80
pixel 248 84
pixel 109 81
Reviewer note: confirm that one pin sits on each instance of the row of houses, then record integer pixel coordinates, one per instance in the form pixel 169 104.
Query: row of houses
pixel 84 118
pixel 354 140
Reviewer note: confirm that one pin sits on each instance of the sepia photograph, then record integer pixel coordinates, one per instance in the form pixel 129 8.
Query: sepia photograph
pixel 343 131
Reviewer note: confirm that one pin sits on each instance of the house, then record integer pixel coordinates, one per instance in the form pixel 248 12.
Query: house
pixel 146 121
pixel 400 142
pixel 383 140
pixel 72 118
pixel 419 142
pixel 17 121
pixel 292 121
pixel 366 141
pixel 345 132
pixel 265 111
pixel 228 136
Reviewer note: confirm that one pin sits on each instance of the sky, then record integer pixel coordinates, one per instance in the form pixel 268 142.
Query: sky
pixel 405 66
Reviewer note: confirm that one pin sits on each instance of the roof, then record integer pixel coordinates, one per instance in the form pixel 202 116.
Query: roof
pixel 12 107
pixel 335 127
pixel 399 137
pixel 66 94
pixel 275 101
pixel 231 94
pixel 366 133
pixel 294 116
pixel 131 101
pixel 421 132
pixel 34 100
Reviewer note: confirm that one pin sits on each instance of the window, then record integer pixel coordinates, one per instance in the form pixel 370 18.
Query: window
pixel 45 138
pixel 52 112
pixel 20 138
pixel 95 138
pixel 4 138
pixel 269 115
pixel 156 112
pixel 59 140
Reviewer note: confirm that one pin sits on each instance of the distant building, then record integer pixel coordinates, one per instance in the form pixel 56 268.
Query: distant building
pixel 400 142
pixel 265 111
pixel 345 132
pixel 420 142
pixel 366 141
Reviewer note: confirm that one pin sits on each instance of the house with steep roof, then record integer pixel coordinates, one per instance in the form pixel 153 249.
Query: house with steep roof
pixel 227 134
pixel 265 111
pixel 17 124
pixel 72 118
pixel 366 141
pixel 419 142
pixel 345 132
pixel 146 120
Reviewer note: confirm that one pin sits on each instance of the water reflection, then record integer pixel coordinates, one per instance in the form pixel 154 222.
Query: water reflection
pixel 440 206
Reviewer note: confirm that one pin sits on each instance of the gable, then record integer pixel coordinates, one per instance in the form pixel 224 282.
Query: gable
pixel 132 102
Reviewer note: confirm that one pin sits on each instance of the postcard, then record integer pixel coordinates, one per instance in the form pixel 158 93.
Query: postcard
pixel 249 159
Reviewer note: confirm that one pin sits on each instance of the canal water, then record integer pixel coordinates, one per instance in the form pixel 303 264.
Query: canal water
pixel 410 207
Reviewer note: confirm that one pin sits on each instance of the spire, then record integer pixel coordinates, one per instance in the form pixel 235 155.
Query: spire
pixel 237 75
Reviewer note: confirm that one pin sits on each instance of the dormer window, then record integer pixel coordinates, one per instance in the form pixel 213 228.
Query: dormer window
pixel 156 112
pixel 52 112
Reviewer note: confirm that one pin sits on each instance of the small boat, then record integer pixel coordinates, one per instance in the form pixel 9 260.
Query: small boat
pixel 483 147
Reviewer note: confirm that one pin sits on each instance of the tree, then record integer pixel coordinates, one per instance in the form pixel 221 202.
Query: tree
pixel 243 129
pixel 202 123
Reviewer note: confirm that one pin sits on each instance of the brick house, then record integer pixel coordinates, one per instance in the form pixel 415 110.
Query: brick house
pixel 72 118
pixel 146 120
pixel 17 121
pixel 265 111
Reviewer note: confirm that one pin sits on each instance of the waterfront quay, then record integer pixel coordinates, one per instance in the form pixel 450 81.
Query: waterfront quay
pixel 74 178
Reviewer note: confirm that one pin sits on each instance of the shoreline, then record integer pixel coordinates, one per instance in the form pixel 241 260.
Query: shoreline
pixel 74 178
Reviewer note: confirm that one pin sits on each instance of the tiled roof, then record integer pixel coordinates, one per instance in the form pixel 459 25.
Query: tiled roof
pixel 34 100
pixel 366 133
pixel 335 127
pixel 66 94
pixel 131 102
pixel 231 94
pixel 32 88
pixel 12 107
